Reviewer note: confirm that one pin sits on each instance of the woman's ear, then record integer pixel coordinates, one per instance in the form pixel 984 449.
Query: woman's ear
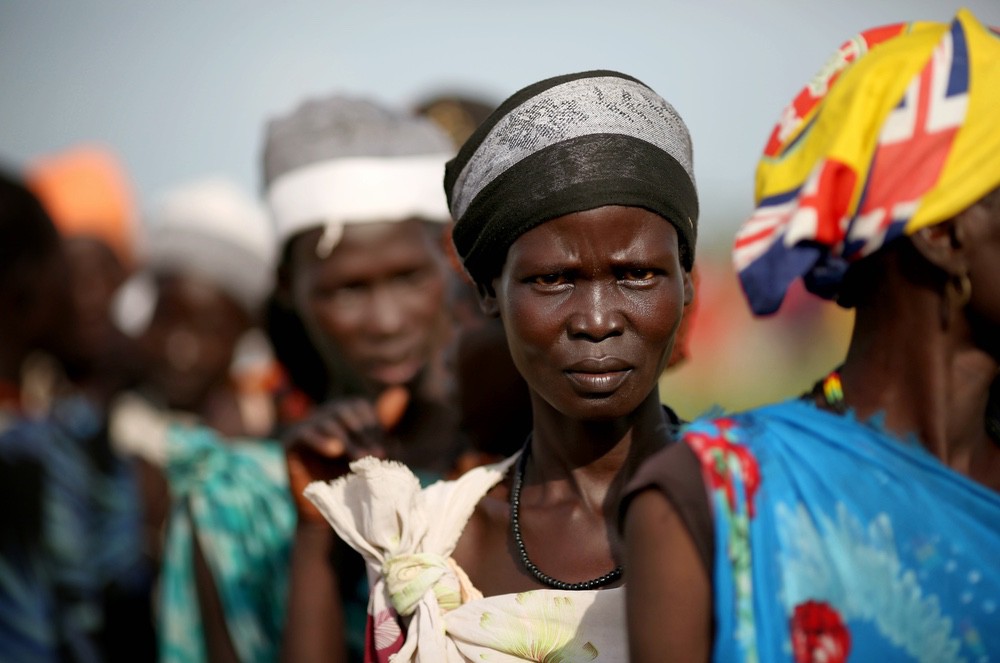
pixel 487 300
pixel 943 244
pixel 689 291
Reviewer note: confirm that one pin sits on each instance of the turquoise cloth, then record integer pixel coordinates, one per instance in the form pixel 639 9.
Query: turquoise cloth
pixel 836 541
pixel 234 497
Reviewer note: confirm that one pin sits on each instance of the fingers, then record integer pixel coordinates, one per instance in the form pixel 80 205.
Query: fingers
pixel 304 467
pixel 345 428
pixel 320 448
pixel 391 405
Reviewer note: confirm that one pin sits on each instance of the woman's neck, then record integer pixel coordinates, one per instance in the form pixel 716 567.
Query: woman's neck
pixel 933 385
pixel 588 457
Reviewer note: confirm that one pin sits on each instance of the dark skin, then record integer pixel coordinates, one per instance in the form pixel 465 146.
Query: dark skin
pixel 933 384
pixel 591 302
pixel 188 349
pixel 35 311
pixel 95 274
pixel 376 303
pixel 375 308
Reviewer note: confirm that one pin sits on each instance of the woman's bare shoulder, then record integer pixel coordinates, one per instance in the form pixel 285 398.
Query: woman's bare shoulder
pixel 483 543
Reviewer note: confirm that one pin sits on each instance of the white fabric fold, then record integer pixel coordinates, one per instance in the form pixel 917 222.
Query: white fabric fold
pixel 380 510
pixel 407 535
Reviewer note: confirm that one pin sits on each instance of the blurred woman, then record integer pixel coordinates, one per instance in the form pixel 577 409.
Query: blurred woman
pixel 218 513
pixel 73 581
pixel 575 212
pixel 359 319
pixel 861 521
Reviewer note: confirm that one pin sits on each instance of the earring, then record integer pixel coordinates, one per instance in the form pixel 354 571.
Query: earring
pixel 964 290
pixel 957 293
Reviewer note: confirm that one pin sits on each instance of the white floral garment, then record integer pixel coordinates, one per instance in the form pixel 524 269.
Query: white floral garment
pixel 407 534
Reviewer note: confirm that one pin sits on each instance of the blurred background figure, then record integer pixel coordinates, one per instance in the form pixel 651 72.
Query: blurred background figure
pixel 88 195
pixel 458 113
pixel 195 310
pixel 490 395
pixel 73 582
pixel 361 322
pixel 218 511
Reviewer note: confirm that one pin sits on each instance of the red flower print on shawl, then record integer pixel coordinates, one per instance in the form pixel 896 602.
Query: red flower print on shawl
pixel 819 634
pixel 722 459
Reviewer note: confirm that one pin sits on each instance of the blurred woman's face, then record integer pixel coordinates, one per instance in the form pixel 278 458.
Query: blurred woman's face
pixel 591 302
pixel 376 302
pixel 189 344
pixel 95 275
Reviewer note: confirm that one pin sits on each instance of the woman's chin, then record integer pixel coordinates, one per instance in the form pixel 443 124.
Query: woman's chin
pixel 394 375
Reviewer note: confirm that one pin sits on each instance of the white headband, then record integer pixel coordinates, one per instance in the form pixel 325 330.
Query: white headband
pixel 337 192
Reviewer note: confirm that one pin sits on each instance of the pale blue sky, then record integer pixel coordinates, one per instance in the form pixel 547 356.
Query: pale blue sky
pixel 181 88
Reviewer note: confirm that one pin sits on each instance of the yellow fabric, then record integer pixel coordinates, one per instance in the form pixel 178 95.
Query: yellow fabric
pixel 846 125
pixel 899 130
pixel 973 166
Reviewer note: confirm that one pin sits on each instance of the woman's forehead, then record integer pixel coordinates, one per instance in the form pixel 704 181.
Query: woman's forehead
pixel 370 250
pixel 612 231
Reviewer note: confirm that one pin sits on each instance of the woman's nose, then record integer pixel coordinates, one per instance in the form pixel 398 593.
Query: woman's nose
pixel 597 312
pixel 386 316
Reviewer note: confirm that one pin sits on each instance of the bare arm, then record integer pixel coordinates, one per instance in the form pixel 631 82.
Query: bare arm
pixel 314 627
pixel 218 644
pixel 668 592
pixel 319 450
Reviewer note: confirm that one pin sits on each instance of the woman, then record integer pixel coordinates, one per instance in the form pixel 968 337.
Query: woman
pixel 360 320
pixel 861 521
pixel 87 193
pixel 72 577
pixel 218 517
pixel 575 212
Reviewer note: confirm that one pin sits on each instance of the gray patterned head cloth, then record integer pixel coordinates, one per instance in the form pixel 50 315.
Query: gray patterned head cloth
pixel 564 145
pixel 339 160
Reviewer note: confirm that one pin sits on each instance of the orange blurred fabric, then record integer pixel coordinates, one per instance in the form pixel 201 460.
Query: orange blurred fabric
pixel 87 193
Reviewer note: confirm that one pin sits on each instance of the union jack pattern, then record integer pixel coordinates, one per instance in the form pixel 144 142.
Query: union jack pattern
pixel 846 208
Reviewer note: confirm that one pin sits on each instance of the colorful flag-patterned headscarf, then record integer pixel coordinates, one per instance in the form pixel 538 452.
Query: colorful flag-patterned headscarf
pixel 899 131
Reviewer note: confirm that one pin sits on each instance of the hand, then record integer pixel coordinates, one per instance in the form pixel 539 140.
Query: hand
pixel 341 431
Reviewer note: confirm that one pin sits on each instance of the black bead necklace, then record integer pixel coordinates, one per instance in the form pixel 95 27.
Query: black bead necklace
pixel 515 527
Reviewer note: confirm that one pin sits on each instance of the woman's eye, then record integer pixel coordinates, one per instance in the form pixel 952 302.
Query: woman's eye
pixel 638 274
pixel 549 279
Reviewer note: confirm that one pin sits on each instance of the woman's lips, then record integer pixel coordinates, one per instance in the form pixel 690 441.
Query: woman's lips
pixel 598 375
pixel 598 383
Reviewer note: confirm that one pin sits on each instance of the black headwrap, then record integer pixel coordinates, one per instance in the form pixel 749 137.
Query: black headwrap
pixel 564 145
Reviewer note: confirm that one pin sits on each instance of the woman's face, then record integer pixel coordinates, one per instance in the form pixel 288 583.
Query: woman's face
pixel 377 301
pixel 591 302
pixel 190 340
pixel 95 276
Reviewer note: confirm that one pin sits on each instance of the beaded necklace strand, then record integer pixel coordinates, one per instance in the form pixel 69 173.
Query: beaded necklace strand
pixel 515 527
pixel 832 392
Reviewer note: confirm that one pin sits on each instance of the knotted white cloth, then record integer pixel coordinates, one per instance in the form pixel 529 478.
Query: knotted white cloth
pixel 407 535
